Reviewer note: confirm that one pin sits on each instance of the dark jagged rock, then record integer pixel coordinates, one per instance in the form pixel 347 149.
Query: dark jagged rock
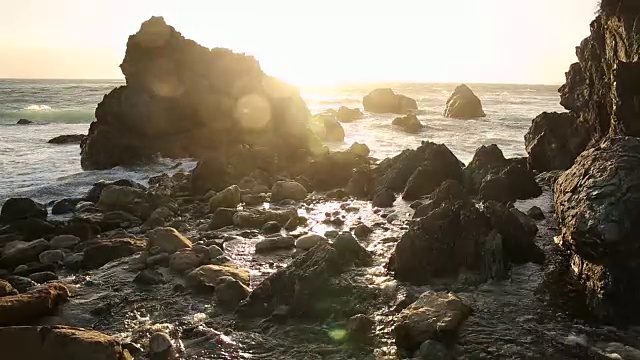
pixel 33 228
pixel 361 183
pixel 409 124
pixel 394 173
pixel 439 165
pixel 297 286
pixel 20 209
pixel 555 140
pixel 24 122
pixel 345 114
pixel 597 204
pixel 58 343
pixel 334 170
pixel 463 104
pixel 601 88
pixel 184 100
pixel 517 233
pixel 452 239
pixel 512 183
pixel 384 198
pixel 387 101
pixel 67 139
pixel 485 160
pixel 449 191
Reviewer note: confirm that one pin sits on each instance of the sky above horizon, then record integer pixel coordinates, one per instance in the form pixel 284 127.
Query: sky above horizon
pixel 310 42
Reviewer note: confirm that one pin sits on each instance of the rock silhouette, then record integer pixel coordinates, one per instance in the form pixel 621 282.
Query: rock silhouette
pixel 184 100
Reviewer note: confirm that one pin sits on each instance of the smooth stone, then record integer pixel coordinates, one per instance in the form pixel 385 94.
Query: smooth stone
pixel 184 260
pixel 433 350
pixel 288 190
pixel 275 244
pixel 227 198
pixel 307 242
pixel 362 231
pixel 52 257
pixel 159 342
pixel 206 276
pixel 272 227
pixel 43 277
pixel 20 252
pixel 168 239
pixel 162 259
pixel 64 242
pixel 149 277
pixel 215 251
pixel 20 283
pixel 229 292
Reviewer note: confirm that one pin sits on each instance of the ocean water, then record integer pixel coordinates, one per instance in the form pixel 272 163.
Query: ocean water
pixel 31 167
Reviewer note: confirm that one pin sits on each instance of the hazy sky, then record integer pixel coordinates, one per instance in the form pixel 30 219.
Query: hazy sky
pixel 310 42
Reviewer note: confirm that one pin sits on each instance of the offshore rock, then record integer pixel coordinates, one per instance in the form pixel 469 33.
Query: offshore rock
pixel 345 114
pixel 597 204
pixel 555 140
pixel 409 123
pixel 184 100
pixel 463 104
pixel 387 101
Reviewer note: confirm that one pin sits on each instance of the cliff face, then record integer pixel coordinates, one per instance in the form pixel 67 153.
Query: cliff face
pixel 184 100
pixel 603 87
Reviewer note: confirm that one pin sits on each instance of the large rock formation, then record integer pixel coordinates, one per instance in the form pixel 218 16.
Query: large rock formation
pixel 602 88
pixel 555 140
pixel 463 104
pixel 598 206
pixel 184 100
pixel 387 101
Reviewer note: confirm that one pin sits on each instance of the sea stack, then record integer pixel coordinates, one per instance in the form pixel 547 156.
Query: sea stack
pixel 184 100
pixel 387 101
pixel 463 104
pixel 595 200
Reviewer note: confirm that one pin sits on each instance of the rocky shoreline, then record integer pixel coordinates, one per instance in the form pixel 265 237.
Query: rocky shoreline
pixel 274 247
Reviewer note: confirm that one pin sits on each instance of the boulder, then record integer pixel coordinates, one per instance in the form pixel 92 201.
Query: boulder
pixel 434 316
pixel 288 190
pixel 40 301
pixel 98 253
pixel 463 104
pixel 272 227
pixel 359 149
pixel 535 213
pixel 22 284
pixel 6 289
pixel 227 198
pixel 345 114
pixel 183 100
pixel 52 257
pixel 93 195
pixel 206 277
pixel 59 343
pixel 327 128
pixel 298 286
pixel 124 198
pixel 64 206
pixel 186 259
pixel 486 159
pixel 230 292
pixel 222 217
pixel 43 277
pixel 275 244
pixel 360 327
pixel 449 191
pixel 555 140
pixel 597 206
pixel 409 124
pixel 21 209
pixel 168 239
pixel 386 101
pixel 510 184
pixel 24 122
pixel 68 139
pixel 333 170
pixel 384 198
pixel 33 228
pixel 454 239
pixel 19 252
pixel 105 221
pixel 148 277
pixel 351 251
pixel 439 165
pixel 257 218
pixel 64 242
pixel 307 242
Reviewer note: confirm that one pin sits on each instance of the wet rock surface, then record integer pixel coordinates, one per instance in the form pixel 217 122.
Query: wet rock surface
pixel 596 204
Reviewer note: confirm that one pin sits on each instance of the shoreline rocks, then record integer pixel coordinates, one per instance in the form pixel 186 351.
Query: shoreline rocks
pixel 409 124
pixel 67 139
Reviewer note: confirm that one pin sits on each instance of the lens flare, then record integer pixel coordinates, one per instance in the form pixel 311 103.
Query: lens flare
pixel 253 112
